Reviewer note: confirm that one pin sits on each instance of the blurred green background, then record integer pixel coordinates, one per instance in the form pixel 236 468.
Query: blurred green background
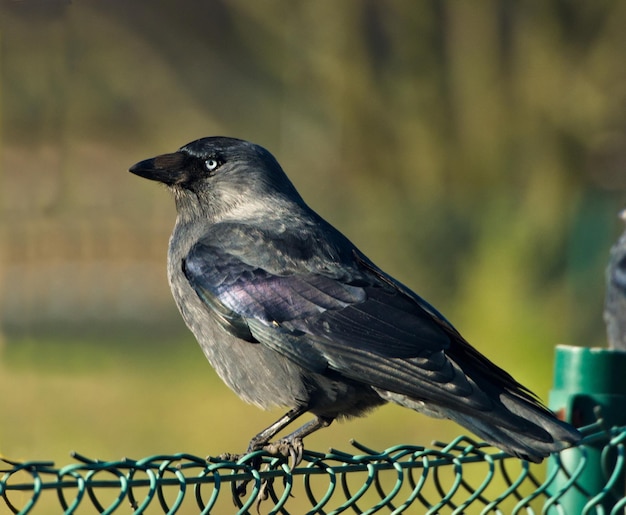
pixel 474 150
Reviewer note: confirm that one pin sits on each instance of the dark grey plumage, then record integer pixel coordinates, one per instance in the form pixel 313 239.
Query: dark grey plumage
pixel 290 313
pixel 615 304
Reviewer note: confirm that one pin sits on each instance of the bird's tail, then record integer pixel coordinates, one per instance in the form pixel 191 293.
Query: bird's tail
pixel 515 421
pixel 538 434
pixel 519 426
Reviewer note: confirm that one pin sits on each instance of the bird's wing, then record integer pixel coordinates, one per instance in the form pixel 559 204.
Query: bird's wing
pixel 348 318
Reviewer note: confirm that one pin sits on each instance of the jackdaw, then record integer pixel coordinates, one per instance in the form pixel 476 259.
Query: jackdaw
pixel 290 313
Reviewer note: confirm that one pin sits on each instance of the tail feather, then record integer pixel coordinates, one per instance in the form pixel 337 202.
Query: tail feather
pixel 517 425
pixel 555 436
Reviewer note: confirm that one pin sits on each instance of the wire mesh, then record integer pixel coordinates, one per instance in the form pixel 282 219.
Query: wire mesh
pixel 462 476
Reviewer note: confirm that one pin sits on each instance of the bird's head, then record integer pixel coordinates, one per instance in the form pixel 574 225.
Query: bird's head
pixel 218 177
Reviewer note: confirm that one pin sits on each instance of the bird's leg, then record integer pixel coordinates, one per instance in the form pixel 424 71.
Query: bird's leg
pixel 291 446
pixel 260 440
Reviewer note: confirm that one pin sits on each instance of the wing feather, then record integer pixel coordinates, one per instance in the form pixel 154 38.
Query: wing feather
pixel 348 318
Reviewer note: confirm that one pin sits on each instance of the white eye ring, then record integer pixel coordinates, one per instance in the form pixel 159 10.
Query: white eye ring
pixel 211 164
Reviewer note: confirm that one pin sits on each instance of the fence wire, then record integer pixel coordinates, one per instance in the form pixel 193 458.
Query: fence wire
pixel 462 476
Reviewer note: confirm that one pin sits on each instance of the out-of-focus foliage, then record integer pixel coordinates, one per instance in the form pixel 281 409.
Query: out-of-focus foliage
pixel 475 150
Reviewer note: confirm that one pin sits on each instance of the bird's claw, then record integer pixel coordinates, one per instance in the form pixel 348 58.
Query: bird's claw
pixel 293 449
pixel 289 448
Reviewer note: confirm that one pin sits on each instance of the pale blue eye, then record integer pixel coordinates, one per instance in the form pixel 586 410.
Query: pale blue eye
pixel 211 164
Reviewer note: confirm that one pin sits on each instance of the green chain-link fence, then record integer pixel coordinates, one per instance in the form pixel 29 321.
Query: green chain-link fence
pixel 460 477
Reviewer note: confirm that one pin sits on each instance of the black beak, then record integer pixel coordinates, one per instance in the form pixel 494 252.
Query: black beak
pixel 169 169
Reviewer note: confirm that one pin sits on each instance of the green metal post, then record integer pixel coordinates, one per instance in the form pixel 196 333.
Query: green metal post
pixel 588 382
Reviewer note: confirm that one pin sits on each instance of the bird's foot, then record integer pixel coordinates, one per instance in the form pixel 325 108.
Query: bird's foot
pixel 291 448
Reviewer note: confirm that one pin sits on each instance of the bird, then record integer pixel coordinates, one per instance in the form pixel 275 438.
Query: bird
pixel 290 313
pixel 615 300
